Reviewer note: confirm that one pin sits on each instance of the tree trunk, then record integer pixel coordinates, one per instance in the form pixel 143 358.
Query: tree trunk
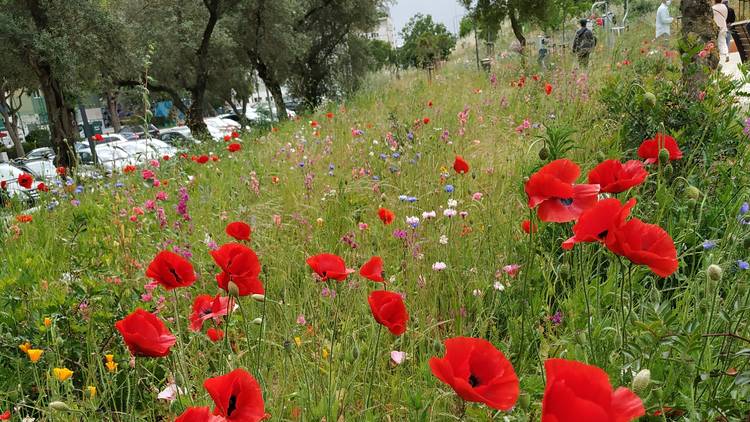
pixel 114 116
pixel 198 90
pixel 273 87
pixel 698 28
pixel 10 117
pixel 60 113
pixel 516 26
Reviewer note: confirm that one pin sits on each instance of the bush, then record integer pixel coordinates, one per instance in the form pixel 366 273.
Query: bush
pixel 38 138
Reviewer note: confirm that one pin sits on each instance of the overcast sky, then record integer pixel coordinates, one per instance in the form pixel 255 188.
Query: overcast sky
pixel 448 12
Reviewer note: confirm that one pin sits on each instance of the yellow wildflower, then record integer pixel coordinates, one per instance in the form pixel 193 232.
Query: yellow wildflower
pixel 109 357
pixel 62 374
pixel 25 347
pixel 111 366
pixel 34 355
pixel 92 391
pixel 47 322
pixel 325 353
pixel 298 341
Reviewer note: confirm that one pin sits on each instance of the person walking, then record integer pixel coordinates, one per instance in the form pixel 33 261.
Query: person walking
pixel 731 18
pixel 543 51
pixel 663 20
pixel 721 13
pixel 583 43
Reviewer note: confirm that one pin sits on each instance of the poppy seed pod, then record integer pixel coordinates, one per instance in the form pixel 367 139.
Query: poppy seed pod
pixel 714 272
pixel 258 298
pixel 642 380
pixel 668 169
pixel 649 99
pixel 233 289
pixel 600 156
pixel 524 401
pixel 663 156
pixel 692 192
pixel 355 351
pixel 59 406
pixel 544 153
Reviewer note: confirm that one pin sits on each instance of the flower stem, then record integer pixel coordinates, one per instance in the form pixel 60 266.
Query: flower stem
pixel 372 367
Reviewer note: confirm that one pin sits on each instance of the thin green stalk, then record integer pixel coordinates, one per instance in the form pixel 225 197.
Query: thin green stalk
pixel 372 367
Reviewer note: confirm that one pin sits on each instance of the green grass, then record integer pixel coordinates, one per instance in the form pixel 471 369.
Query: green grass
pixel 93 255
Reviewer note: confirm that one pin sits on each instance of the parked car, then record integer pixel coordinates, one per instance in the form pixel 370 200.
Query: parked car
pixel 110 157
pixel 177 139
pixel 137 130
pixel 39 153
pixel 9 174
pixel 43 168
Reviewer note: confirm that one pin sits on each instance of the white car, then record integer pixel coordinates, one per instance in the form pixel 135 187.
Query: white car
pixel 9 174
pixel 218 128
pixel 109 156
pixel 44 168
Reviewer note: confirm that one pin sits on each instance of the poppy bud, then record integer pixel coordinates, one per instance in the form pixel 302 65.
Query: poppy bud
pixel 438 346
pixel 600 156
pixel 233 289
pixel 355 351
pixel 258 321
pixel 565 270
pixel 59 406
pixel 258 298
pixel 649 99
pixel 544 153
pixel 319 221
pixel 523 401
pixel 664 156
pixel 668 170
pixel 692 192
pixel 714 272
pixel 642 380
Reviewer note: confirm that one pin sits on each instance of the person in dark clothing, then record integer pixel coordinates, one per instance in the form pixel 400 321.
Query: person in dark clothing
pixel 583 43
pixel 731 18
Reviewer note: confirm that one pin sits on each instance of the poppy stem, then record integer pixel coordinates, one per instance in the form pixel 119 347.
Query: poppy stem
pixel 333 316
pixel 372 367
pixel 230 309
pixel 180 348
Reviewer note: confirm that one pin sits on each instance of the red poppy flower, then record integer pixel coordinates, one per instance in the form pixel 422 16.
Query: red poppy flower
pixel 60 171
pixel 314 123
pixel 580 392
pixel 42 187
pixel 98 137
pixel 239 230
pixel 227 138
pixel 389 310
pixel 25 180
pixel 165 158
pixel 235 135
pixel 527 227
pixel 328 266
pixel 426 120
pixel 551 189
pixel 614 177
pixel 207 307
pixel 203 159
pixel 3 184
pixel 240 265
pixel 215 334
pixel 171 270
pixel 237 396
pixel 214 158
pixel 477 372
pixel 145 334
pixel 198 414
pixel 386 215
pixel 373 269
pixel 128 169
pixel 599 221
pixel 645 244
pixel 649 149
pixel 234 147
pixel 460 166
pixel 5 416
pixel 548 88
pixel 24 218
pixel 429 103
pixel 329 115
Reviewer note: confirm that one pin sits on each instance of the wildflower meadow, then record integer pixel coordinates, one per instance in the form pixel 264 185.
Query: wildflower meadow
pixel 519 244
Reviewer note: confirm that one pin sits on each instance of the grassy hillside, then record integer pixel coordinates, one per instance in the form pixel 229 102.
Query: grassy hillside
pixel 315 186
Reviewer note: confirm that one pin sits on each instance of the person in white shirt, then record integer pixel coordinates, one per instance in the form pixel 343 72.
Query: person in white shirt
pixel 720 18
pixel 663 20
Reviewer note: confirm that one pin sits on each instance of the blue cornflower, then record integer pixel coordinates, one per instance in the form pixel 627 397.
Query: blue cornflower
pixel 449 188
pixel 410 136
pixel 411 199
pixel 376 178
pixel 709 244
pixel 396 155
pixel 743 264
pixel 119 184
pixel 79 189
pixel 383 156
pixel 331 166
pixel 744 208
pixel 301 164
